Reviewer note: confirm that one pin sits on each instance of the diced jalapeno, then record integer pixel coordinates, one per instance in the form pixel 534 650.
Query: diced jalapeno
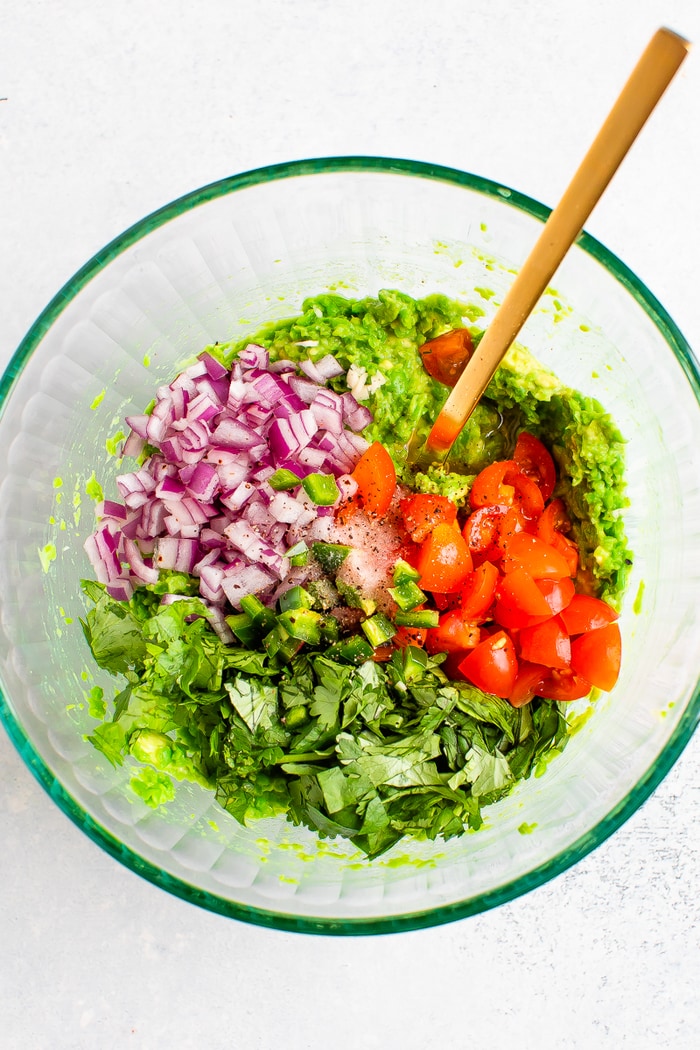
pixel 303 624
pixel 407 594
pixel 417 618
pixel 283 480
pixel 321 489
pixel 296 598
pixel 379 629
pixel 330 556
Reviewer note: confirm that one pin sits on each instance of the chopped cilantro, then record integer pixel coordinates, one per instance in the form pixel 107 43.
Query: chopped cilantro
pixel 372 752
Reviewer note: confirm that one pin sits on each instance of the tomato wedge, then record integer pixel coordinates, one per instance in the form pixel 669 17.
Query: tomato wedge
pixel 564 685
pixel 375 475
pixel 453 634
pixel 443 602
pixel 535 461
pixel 492 665
pixel 520 601
pixel 481 530
pixel 528 683
pixel 444 561
pixel 528 494
pixel 553 521
pixel 445 357
pixel 596 656
pixel 479 591
pixel 568 550
pixel 490 487
pixel 512 521
pixel 557 593
pixel 585 613
pixel 409 636
pixel 546 643
pixel 422 512
pixel 535 556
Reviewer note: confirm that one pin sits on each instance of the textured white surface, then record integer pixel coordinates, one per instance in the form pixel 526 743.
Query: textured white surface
pixel 109 112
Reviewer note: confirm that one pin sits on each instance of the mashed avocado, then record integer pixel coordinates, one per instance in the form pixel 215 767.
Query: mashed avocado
pixel 377 341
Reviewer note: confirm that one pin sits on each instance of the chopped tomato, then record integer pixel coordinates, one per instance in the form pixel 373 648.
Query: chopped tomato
pixel 585 613
pixel 375 475
pixel 553 521
pixel 535 556
pixel 511 620
pixel 528 683
pixel 453 634
pixel 564 685
pixel 409 636
pixel 482 528
pixel 557 593
pixel 492 665
pixel 546 643
pixel 568 550
pixel 444 561
pixel 422 512
pixel 383 653
pixel 490 487
pixel 535 461
pixel 520 602
pixel 445 357
pixel 527 493
pixel 479 591
pixel 596 656
pixel 446 601
pixel 512 521
pixel 450 665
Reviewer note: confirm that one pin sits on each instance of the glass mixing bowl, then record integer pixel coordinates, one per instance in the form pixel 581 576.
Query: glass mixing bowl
pixel 212 266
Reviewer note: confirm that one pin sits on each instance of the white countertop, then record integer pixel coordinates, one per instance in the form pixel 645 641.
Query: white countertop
pixel 109 111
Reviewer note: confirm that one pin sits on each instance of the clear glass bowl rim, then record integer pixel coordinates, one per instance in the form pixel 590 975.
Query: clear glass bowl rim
pixel 415 919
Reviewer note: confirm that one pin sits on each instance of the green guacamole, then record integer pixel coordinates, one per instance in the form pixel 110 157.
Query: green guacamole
pixel 381 337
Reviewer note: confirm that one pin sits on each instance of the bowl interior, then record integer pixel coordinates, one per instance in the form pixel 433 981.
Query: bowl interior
pixel 214 266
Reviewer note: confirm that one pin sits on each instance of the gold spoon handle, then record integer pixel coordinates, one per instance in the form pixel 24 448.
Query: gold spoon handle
pixel 647 83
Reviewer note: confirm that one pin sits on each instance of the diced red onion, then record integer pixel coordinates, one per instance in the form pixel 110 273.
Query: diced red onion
pixel 202 504
pixel 133 446
pixel 204 482
pixel 234 435
pixel 322 370
pixel 181 555
pixel 305 388
pixel 247 579
pixel 254 356
pixel 138 424
pixel 120 590
pixel 144 573
pixel 215 370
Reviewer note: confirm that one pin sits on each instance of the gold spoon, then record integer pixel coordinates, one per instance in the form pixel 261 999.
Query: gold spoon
pixel 647 83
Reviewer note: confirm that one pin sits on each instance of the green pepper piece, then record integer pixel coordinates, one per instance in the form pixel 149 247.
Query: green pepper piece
pixel 262 617
pixel 354 600
pixel 417 618
pixel 296 716
pixel 296 598
pixel 321 489
pixel 404 571
pixel 298 554
pixel 279 644
pixel 354 650
pixel 283 480
pixel 303 624
pixel 244 629
pixel 330 556
pixel 379 629
pixel 407 594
